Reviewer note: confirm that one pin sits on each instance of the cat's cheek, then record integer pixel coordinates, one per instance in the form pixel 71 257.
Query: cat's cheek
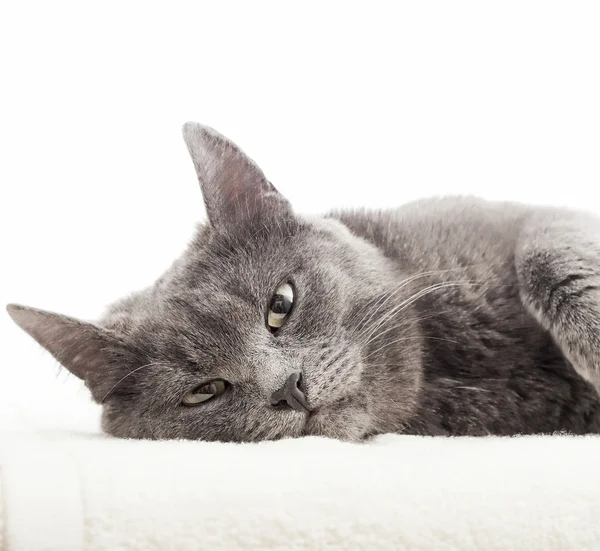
pixel 122 423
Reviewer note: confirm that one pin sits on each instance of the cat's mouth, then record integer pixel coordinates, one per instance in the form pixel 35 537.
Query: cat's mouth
pixel 313 413
pixel 321 421
pixel 313 422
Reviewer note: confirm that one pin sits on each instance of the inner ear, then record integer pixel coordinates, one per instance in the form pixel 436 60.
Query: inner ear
pixel 88 351
pixel 234 187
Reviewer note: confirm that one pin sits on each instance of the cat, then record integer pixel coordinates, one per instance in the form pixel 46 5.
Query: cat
pixel 447 316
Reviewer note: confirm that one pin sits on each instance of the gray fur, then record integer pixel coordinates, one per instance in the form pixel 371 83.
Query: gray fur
pixel 451 316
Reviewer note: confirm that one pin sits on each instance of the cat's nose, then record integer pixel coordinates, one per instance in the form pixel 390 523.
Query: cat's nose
pixel 291 395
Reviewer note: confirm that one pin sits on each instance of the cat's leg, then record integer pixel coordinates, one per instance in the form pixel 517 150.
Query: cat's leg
pixel 558 267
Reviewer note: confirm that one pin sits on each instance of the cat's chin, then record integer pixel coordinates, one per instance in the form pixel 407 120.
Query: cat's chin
pixel 342 423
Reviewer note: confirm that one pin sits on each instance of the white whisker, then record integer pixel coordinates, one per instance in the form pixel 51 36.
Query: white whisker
pixel 406 303
pixel 402 339
pixel 123 378
pixel 388 296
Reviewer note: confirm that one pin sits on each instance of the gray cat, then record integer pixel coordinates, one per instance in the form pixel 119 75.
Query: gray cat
pixel 451 316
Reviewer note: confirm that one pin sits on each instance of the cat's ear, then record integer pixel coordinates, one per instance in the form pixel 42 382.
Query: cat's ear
pixel 233 186
pixel 85 349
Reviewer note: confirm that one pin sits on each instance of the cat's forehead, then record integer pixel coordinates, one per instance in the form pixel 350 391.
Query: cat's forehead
pixel 223 283
pixel 243 260
pixel 217 273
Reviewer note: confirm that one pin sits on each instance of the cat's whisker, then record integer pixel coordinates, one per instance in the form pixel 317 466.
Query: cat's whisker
pixel 425 291
pixel 415 320
pixel 457 284
pixel 123 378
pixel 397 309
pixel 406 303
pixel 385 317
pixel 388 296
pixel 409 338
pixel 412 320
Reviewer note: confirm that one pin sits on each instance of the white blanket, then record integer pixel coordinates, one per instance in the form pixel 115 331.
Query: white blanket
pixel 81 491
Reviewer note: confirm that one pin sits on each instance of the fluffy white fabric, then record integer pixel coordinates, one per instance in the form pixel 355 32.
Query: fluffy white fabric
pixel 82 491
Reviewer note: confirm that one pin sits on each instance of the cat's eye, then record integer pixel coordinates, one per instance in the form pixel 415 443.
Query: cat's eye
pixel 205 393
pixel 280 306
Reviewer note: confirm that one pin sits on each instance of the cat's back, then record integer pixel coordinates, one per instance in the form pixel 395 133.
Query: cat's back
pixel 441 233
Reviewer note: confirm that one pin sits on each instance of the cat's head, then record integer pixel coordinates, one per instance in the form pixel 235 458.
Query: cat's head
pixel 269 325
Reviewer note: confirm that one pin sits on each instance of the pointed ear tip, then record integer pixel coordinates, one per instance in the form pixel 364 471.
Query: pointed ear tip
pixel 13 309
pixel 24 314
pixel 190 127
pixel 18 313
pixel 193 130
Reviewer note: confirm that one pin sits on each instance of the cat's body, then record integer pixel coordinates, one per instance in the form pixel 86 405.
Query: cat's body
pixel 448 316
pixel 488 365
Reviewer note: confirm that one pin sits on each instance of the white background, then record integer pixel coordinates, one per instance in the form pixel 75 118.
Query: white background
pixel 341 103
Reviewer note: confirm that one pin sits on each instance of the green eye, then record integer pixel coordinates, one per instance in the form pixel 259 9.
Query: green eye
pixel 280 306
pixel 205 393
